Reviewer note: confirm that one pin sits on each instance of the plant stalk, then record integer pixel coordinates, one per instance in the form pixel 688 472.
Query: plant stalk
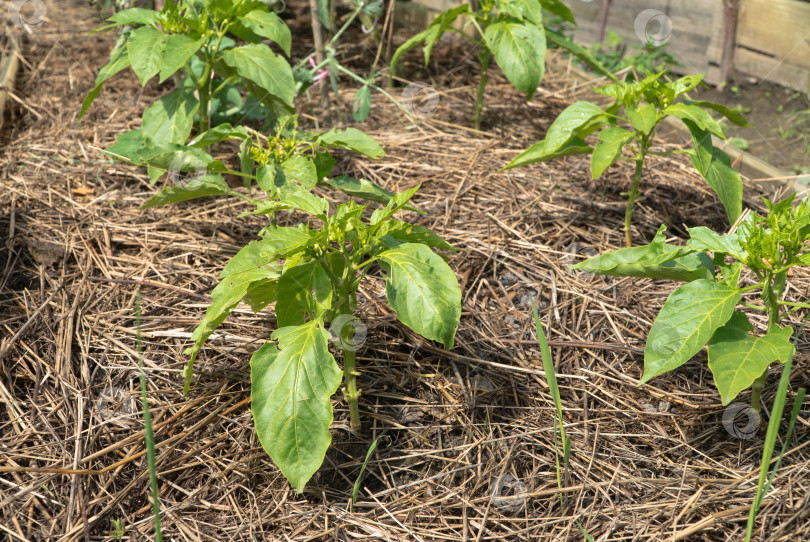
pixel 484 57
pixel 773 322
pixel 352 394
pixel 631 199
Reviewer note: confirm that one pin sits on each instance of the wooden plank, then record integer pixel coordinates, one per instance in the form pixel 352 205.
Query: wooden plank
pixel 767 67
pixel 776 27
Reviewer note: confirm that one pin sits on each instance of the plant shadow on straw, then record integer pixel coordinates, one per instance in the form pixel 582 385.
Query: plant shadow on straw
pixel 147 421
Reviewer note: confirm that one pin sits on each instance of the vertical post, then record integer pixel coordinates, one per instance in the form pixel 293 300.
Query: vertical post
pixel 317 36
pixel 603 15
pixel 730 9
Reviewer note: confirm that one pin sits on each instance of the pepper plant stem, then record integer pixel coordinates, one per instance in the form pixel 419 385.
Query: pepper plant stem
pixel 484 57
pixel 773 322
pixel 631 200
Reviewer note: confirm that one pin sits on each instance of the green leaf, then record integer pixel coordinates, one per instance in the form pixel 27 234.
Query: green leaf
pixel 304 292
pixel 609 149
pixel 656 260
pixel 270 75
pixel 688 319
pixel 685 84
pixel 561 41
pixel 224 298
pixel 290 387
pixel 308 203
pixel 364 189
pixel 572 118
pixel 644 118
pixel 394 204
pixel 423 291
pixel 278 243
pixel 736 358
pixel 559 9
pixel 145 50
pixel 715 166
pixel 733 115
pixel 119 60
pixel 171 117
pixel 219 133
pixel 704 239
pixel 177 50
pixel 350 139
pixel 394 233
pixel 211 184
pixel 529 10
pixel 135 16
pixel 431 35
pixel 268 25
pixel 362 104
pixel 539 153
pixel 296 174
pixel 520 51
pixel 697 115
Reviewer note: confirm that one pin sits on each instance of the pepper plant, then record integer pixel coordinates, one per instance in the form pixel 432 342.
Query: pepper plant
pixel 510 31
pixel 312 274
pixel 706 311
pixel 196 39
pixel 630 121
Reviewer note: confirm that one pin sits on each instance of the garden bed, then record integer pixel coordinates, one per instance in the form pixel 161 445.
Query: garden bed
pixel 647 463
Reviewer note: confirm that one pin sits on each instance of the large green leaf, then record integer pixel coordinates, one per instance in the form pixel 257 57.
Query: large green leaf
pixel 270 74
pixel 572 118
pixel 268 25
pixel 224 298
pixel 119 60
pixel 171 117
pixel 559 9
pixel 423 291
pixel 704 239
pixel 145 50
pixel 609 149
pixel 296 174
pixel 737 358
pixel 733 115
pixel 644 118
pixel 688 319
pixel 351 139
pixel 697 115
pixel 394 233
pixel 304 291
pixel 178 49
pixel 210 184
pixel 715 166
pixel 219 133
pixel 520 51
pixel 529 10
pixel 290 390
pixel 277 243
pixel 135 16
pixel 540 153
pixel 656 260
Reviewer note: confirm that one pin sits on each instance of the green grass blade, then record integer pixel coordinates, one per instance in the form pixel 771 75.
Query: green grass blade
pixel 356 488
pixel 147 421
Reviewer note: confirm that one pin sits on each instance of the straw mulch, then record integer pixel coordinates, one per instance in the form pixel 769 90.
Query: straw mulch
pixel 647 463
